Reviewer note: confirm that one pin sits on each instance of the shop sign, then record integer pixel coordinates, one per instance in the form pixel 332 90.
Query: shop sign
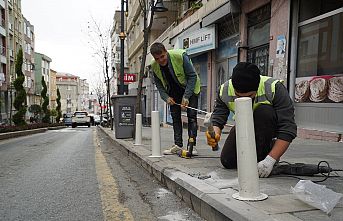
pixel 128 78
pixel 198 41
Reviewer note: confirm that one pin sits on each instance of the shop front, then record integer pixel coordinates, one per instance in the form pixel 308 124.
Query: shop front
pixel 199 45
pixel 317 79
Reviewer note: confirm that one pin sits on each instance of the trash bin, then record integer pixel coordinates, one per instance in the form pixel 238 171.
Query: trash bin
pixel 124 115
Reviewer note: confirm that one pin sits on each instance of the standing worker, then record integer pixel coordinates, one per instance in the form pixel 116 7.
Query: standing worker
pixel 177 83
pixel 273 114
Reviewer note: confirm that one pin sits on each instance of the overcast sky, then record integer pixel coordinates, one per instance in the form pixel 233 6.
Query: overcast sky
pixel 60 28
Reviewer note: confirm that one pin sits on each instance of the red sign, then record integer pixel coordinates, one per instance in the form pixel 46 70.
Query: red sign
pixel 128 78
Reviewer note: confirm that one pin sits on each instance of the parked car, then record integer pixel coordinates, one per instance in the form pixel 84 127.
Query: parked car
pixel 96 120
pixel 80 118
pixel 67 119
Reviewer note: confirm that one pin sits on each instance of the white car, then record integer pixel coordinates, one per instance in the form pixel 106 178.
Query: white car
pixel 80 118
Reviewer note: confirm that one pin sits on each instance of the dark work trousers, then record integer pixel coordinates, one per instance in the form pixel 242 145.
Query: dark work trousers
pixel 175 111
pixel 265 131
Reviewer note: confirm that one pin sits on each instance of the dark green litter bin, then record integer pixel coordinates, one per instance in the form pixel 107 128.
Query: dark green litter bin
pixel 124 115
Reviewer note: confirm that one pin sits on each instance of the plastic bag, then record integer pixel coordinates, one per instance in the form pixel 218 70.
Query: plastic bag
pixel 316 195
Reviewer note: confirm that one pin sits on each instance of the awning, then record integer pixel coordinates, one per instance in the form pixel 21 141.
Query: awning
pixel 227 8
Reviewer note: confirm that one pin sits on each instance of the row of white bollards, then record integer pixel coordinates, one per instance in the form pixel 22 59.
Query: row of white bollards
pixel 249 189
pixel 155 133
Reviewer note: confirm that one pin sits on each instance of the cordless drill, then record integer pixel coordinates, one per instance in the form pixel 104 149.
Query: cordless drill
pixel 187 153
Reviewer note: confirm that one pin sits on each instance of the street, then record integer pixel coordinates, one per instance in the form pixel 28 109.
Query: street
pixel 75 174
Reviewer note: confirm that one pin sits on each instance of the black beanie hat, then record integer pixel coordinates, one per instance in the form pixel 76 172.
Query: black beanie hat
pixel 245 77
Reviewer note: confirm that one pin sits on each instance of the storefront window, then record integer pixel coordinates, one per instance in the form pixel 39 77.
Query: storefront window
pixel 320 61
pixel 313 8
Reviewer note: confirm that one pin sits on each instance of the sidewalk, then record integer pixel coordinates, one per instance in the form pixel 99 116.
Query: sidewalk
pixel 212 198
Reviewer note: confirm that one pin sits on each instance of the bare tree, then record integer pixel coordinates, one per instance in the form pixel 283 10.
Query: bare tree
pixel 100 93
pixel 100 43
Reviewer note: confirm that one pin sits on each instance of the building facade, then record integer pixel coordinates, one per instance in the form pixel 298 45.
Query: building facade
pixel 68 86
pixel 83 93
pixel 53 89
pixel 296 41
pixel 12 39
pixel 4 78
pixel 42 70
pixel 29 61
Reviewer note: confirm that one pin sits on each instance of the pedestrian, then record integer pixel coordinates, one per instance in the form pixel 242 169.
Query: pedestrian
pixel 273 114
pixel 179 86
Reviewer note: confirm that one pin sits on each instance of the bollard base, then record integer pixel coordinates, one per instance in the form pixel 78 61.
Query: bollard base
pixel 261 197
pixel 155 156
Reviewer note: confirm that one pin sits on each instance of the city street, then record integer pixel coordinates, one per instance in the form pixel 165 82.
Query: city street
pixel 75 174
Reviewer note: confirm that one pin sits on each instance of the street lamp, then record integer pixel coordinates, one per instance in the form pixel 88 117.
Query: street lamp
pixel 122 37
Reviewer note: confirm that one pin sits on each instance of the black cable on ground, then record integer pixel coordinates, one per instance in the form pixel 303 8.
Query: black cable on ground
pixel 326 175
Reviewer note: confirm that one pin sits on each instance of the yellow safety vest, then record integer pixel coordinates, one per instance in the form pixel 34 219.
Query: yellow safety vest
pixel 265 93
pixel 176 58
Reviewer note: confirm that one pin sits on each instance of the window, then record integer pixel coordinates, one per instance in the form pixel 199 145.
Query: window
pixel 258 37
pixel 320 55
pixel 320 50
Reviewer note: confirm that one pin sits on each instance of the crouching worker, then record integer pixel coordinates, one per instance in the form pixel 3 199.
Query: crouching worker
pixel 273 114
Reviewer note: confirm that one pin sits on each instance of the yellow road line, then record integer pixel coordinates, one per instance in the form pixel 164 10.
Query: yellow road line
pixel 111 207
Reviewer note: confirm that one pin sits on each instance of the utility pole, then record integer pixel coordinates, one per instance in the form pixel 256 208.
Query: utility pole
pixel 122 37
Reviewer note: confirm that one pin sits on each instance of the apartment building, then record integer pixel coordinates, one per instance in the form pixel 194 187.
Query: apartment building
pixel 68 86
pixel 42 70
pixel 4 101
pixel 12 39
pixel 83 94
pixel 29 61
pixel 53 89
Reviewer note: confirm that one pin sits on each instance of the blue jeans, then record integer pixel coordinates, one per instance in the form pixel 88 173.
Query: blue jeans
pixel 175 111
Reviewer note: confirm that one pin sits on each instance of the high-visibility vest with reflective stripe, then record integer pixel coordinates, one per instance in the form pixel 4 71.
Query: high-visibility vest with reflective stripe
pixel 176 58
pixel 264 95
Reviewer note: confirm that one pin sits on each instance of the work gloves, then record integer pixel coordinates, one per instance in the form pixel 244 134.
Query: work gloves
pixel 184 102
pixel 265 166
pixel 170 101
pixel 212 141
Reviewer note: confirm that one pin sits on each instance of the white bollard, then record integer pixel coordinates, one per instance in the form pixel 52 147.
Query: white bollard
pixel 155 134
pixel 248 180
pixel 138 136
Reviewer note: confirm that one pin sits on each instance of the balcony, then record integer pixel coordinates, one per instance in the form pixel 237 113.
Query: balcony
pixel 10 26
pixel 10 52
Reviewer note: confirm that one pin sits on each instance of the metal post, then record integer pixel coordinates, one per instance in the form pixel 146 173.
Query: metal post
pixel 122 39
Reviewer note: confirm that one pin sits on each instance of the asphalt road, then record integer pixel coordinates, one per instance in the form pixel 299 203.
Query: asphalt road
pixel 77 174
